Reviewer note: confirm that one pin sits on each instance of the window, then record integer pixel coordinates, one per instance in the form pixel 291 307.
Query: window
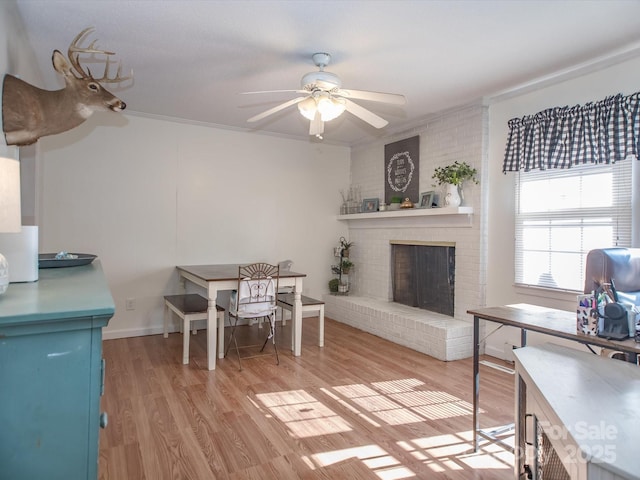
pixel 562 214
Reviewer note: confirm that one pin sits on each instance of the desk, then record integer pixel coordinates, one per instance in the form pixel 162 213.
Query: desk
pixel 225 277
pixel 548 321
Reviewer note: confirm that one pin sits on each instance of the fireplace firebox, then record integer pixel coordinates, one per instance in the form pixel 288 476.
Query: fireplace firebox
pixel 423 275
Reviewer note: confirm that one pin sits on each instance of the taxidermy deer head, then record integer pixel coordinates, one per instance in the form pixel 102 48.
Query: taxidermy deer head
pixel 29 113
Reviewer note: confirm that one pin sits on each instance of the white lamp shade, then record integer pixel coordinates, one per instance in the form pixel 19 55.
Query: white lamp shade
pixel 10 215
pixel 330 108
pixel 307 108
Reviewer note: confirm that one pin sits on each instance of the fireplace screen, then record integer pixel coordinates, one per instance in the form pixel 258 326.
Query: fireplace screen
pixel 424 276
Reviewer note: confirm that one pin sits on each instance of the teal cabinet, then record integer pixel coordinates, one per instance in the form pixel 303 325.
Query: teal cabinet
pixel 51 374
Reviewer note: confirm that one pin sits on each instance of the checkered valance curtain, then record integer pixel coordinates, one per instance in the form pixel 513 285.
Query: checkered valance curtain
pixel 599 132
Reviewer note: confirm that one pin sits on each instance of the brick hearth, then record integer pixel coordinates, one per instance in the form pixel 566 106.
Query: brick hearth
pixel 439 336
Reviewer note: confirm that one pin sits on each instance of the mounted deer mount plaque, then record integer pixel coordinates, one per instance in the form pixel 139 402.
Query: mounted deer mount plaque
pixel 29 112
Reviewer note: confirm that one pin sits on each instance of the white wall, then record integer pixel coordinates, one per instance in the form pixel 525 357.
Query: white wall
pixel 622 78
pixel 17 58
pixel 147 194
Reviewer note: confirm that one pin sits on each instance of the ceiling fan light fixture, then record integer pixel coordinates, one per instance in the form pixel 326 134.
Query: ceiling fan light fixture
pixel 330 108
pixel 308 108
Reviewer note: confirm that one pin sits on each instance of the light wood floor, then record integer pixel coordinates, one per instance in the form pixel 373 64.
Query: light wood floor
pixel 359 408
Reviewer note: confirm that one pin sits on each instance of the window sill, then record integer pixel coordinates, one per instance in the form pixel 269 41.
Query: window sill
pixel 548 293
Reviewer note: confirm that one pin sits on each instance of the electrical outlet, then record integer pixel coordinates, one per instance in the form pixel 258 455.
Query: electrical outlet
pixel 130 303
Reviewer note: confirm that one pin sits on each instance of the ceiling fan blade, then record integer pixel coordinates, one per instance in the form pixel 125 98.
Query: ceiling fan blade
pixel 393 98
pixel 317 125
pixel 275 109
pixel 364 114
pixel 274 91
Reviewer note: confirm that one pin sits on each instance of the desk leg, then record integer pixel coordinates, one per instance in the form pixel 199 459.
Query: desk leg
pixel 520 455
pixel 476 381
pixel 297 318
pixel 212 327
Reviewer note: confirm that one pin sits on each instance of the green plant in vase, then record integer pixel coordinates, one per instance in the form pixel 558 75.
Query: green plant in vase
pixel 394 203
pixel 333 285
pixel 346 266
pixel 452 177
pixel 455 174
pixel 345 245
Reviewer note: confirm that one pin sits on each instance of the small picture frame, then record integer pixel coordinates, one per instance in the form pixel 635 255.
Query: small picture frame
pixel 370 205
pixel 426 199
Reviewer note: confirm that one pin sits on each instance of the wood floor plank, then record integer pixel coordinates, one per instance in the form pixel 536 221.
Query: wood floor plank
pixel 359 408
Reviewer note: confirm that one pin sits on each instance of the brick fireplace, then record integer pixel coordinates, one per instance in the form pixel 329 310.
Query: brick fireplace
pixel 370 306
pixel 460 135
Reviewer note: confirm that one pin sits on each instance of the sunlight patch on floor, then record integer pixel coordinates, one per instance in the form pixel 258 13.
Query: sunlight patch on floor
pixel 452 450
pixel 303 414
pixel 349 407
pixel 396 402
pixel 374 457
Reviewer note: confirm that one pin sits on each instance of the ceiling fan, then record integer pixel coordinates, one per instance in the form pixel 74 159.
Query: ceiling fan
pixel 324 99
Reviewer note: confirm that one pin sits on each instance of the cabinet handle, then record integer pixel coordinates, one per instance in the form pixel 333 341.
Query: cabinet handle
pixel 104 419
pixel 104 366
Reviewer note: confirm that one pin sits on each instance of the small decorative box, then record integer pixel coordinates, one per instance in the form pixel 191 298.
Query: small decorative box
pixel 587 318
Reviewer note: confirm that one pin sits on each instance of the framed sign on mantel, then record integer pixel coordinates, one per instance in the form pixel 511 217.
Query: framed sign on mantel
pixel 401 169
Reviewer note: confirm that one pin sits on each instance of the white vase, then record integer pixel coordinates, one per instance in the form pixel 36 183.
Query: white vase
pixel 451 196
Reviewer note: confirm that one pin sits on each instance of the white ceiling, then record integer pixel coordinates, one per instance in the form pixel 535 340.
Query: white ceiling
pixel 191 59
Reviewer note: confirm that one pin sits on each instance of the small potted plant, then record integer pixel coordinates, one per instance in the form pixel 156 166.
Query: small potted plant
pixel 346 266
pixel 345 246
pixel 452 177
pixel 333 285
pixel 394 203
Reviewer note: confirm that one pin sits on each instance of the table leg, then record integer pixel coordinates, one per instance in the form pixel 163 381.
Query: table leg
pixel 212 319
pixel 297 318
pixel 476 381
pixel 220 335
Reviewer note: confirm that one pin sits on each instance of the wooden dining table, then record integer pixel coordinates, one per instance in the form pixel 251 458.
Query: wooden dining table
pixel 214 278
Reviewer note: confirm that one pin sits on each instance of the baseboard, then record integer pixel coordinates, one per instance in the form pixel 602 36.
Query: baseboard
pixel 134 332
pixel 493 351
pixel 159 329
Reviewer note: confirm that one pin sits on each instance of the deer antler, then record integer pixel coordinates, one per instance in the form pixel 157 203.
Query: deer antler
pixel 74 58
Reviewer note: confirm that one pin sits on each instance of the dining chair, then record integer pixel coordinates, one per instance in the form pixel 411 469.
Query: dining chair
pixel 284 266
pixel 255 297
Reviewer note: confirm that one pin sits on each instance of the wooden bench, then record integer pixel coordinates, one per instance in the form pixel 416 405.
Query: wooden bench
pixel 285 301
pixel 191 307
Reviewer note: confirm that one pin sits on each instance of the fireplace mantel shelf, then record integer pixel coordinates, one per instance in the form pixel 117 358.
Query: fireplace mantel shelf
pixel 412 212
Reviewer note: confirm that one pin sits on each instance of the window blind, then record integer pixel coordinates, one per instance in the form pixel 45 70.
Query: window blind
pixel 562 214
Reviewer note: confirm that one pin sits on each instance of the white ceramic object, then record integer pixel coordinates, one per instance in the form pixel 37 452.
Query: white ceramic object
pixel 452 196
